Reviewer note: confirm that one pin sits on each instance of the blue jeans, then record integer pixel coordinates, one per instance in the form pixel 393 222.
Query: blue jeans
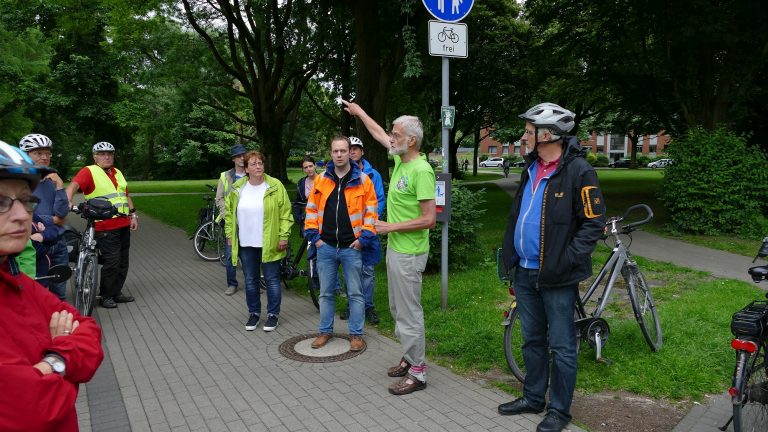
pixel 546 319
pixel 328 260
pixel 368 282
pixel 231 270
pixel 250 258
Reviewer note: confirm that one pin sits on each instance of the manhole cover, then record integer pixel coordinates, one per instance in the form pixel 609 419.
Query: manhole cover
pixel 299 348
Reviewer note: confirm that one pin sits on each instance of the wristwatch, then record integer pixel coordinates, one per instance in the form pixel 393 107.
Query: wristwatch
pixel 57 363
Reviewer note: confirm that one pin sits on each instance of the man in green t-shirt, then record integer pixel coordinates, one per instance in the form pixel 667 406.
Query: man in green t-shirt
pixel 410 214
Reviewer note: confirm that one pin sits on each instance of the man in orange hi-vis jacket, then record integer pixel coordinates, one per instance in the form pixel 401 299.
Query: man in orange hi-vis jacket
pixel 341 214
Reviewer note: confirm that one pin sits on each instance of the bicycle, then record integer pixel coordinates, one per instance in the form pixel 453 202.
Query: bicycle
pixel 209 240
pixel 290 270
pixel 591 327
pixel 448 33
pixel 749 392
pixel 85 284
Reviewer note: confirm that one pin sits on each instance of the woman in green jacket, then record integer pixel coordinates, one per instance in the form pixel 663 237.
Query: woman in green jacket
pixel 257 225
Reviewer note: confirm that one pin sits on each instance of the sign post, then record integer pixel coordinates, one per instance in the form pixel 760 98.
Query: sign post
pixel 446 39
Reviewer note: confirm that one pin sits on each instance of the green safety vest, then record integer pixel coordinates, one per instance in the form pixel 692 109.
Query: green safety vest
pixel 104 188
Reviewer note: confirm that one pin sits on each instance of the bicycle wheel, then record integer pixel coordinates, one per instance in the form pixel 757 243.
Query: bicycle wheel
pixel 221 245
pixel 642 303
pixel 513 346
pixel 313 283
pixel 751 415
pixel 87 285
pixel 205 242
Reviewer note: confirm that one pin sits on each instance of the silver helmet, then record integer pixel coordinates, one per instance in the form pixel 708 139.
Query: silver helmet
pixel 34 141
pixel 551 116
pixel 103 146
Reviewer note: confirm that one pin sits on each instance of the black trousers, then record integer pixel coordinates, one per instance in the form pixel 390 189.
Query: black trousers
pixel 114 246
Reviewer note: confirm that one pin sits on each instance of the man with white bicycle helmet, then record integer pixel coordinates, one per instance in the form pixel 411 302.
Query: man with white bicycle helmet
pixel 42 335
pixel 51 210
pixel 112 235
pixel 557 217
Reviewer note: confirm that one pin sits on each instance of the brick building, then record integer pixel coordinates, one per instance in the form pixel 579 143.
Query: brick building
pixel 612 145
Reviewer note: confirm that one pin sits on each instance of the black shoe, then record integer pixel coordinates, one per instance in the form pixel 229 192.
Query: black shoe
pixel 108 303
pixel 253 322
pixel 271 323
pixel 552 423
pixel 371 317
pixel 122 298
pixel 518 406
pixel 344 315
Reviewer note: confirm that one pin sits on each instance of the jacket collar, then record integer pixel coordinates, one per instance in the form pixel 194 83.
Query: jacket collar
pixel 355 172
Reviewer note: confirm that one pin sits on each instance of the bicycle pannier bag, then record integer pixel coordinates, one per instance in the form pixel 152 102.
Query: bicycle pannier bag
pixel 99 208
pixel 750 321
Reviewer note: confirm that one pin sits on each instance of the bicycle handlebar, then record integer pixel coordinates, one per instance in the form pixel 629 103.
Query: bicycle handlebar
pixel 212 188
pixel 631 226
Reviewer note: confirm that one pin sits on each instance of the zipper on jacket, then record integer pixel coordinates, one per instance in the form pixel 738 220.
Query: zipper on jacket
pixel 338 196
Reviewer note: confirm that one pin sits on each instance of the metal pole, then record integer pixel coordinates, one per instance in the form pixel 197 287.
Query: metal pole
pixel 444 244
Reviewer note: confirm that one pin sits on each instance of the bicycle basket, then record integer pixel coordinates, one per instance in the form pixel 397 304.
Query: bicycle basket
pixel 750 321
pixel 99 208
pixel 71 237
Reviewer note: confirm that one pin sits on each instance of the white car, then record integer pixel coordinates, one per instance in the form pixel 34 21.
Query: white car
pixel 492 162
pixel 661 163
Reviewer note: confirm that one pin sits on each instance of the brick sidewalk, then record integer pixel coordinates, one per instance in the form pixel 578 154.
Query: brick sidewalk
pixel 179 359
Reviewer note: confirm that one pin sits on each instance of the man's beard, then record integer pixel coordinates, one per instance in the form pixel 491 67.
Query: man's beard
pixel 398 151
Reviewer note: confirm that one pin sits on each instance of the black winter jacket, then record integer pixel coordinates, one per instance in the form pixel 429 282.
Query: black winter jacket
pixel 573 219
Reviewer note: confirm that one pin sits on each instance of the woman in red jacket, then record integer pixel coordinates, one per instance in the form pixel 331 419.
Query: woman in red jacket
pixel 46 348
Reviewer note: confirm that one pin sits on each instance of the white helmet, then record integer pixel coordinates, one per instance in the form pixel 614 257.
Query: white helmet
pixel 103 146
pixel 551 116
pixel 355 141
pixel 34 141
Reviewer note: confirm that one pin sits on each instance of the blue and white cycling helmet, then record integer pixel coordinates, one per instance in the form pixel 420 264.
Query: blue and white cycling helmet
pixel 15 164
pixel 35 141
pixel 103 146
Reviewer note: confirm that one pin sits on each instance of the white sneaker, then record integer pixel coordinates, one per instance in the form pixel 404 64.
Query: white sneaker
pixel 230 290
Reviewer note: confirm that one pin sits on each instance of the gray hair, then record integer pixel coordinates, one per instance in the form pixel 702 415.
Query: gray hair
pixel 542 131
pixel 412 127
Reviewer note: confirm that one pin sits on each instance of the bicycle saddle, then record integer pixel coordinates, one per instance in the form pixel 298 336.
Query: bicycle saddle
pixel 759 273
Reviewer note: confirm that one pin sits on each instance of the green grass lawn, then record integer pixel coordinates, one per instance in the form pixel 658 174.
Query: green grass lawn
pixel 695 309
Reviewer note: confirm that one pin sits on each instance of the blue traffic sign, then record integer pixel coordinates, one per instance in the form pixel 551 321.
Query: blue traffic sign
pixel 449 10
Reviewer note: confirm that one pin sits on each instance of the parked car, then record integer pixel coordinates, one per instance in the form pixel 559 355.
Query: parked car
pixel 492 162
pixel 661 163
pixel 620 163
pixel 519 164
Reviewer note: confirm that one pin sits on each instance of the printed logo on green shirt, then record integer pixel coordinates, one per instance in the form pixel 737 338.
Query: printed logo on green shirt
pixel 402 184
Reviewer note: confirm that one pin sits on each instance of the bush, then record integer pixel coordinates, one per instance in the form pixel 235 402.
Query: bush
pixel 295 161
pixel 643 161
pixel 466 212
pixel 602 160
pixel 591 158
pixel 717 185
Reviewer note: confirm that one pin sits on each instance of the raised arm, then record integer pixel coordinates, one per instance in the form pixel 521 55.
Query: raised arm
pixel 378 132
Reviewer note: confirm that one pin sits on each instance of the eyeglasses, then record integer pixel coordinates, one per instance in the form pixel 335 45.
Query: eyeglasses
pixel 29 203
pixel 256 163
pixel 528 132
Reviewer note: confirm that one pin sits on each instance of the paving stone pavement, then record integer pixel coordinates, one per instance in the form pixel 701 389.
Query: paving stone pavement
pixel 179 359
